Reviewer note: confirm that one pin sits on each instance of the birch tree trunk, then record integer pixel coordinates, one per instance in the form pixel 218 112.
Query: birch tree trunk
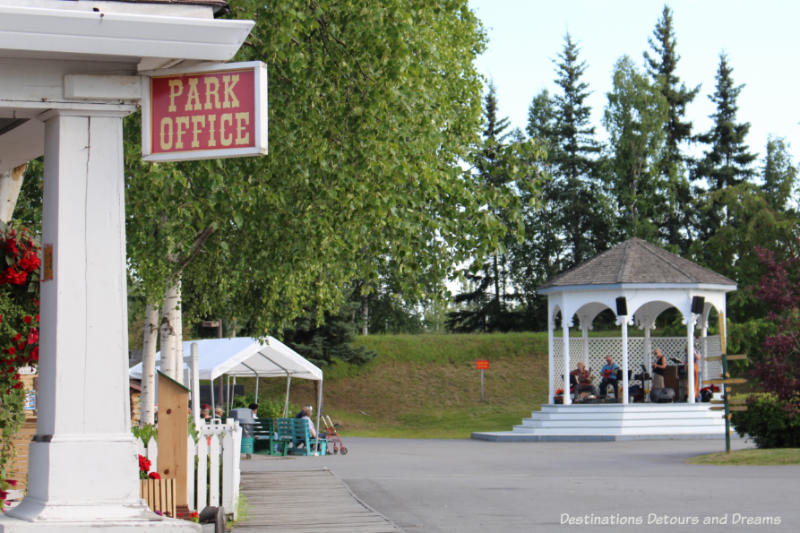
pixel 149 365
pixel 10 185
pixel 168 332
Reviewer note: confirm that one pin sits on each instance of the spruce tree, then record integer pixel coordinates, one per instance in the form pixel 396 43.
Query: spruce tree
pixel 583 210
pixel 673 166
pixel 727 162
pixel 482 303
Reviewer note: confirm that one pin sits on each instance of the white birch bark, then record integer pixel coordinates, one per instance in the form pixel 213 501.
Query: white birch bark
pixel 10 185
pixel 171 333
pixel 149 365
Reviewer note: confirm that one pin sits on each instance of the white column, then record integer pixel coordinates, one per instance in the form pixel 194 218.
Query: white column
pixel 565 349
pixel 624 359
pixel 648 348
pixel 82 458
pixel 690 357
pixel 551 367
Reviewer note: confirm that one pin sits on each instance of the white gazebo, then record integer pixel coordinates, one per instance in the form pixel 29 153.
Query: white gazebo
pixel 637 281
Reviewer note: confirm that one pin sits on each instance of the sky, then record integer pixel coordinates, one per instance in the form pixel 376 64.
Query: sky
pixel 760 37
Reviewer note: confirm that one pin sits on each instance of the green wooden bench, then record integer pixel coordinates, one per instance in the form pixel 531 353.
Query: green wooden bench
pixel 302 442
pixel 266 440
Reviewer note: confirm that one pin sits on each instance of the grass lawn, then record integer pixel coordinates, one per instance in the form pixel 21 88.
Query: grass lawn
pixel 768 456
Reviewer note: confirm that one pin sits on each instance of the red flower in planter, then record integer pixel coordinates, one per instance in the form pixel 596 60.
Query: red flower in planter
pixel 154 475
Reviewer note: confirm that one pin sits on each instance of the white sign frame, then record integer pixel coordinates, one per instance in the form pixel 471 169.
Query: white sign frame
pixel 261 120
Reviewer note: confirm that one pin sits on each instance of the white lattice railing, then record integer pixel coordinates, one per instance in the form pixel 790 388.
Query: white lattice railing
pixel 600 347
pixel 215 478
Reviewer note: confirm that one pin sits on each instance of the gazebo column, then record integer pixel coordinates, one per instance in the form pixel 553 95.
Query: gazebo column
pixel 624 359
pixel 565 348
pixel 704 353
pixel 690 358
pixel 551 378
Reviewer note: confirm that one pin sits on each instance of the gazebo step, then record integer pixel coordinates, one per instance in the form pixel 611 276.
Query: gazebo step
pixel 649 430
pixel 588 423
pixel 618 415
pixel 618 407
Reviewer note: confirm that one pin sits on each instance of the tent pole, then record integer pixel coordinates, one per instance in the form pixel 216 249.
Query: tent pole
pixel 319 404
pixel 212 395
pixel 286 405
pixel 256 388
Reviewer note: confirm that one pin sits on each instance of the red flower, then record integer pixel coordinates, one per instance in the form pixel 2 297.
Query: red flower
pixel 15 277
pixel 27 319
pixel 12 350
pixel 144 463
pixel 30 261
pixel 33 336
pixel 17 337
pixel 154 475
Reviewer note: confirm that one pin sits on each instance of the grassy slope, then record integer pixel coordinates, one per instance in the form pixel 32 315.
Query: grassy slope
pixel 427 385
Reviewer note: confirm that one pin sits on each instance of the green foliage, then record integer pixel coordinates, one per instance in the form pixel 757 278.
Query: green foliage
pixel 675 224
pixel 372 109
pixel 635 118
pixel 771 422
pixel 146 432
pixel 267 407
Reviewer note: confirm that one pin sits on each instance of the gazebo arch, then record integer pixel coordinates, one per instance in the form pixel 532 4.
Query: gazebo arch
pixel 637 281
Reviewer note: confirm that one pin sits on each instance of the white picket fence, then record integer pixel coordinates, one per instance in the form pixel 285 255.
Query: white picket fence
pixel 215 480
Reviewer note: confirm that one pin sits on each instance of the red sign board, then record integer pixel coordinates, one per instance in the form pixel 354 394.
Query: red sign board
pixel 218 112
pixel 482 364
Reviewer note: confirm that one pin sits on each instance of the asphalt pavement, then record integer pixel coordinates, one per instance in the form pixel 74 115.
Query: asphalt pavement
pixel 469 486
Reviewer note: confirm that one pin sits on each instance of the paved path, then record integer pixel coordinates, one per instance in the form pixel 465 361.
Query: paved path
pixel 469 486
pixel 307 501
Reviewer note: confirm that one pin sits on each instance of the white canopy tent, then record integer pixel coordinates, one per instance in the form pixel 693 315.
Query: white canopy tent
pixel 247 357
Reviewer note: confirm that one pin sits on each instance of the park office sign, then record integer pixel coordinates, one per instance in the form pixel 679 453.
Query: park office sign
pixel 212 113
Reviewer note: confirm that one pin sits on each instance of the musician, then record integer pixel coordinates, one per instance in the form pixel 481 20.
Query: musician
pixel 608 373
pixel 659 367
pixel 583 380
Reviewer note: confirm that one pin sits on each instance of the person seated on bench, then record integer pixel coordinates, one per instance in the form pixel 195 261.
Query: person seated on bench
pixel 254 407
pixel 609 373
pixel 306 413
pixel 584 381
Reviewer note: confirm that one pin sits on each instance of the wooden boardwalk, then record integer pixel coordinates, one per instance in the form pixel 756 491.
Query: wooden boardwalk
pixel 308 501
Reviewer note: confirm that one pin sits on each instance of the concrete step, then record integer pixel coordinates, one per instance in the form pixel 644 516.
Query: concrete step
pixel 650 430
pixel 619 415
pixel 529 422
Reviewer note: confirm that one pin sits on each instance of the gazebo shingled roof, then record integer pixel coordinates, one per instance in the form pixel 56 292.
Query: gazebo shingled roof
pixel 636 261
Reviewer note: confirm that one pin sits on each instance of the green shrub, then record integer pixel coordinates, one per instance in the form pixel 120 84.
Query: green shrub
pixel 267 407
pixel 769 421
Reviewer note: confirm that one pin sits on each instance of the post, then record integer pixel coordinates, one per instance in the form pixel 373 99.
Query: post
pixel 483 397
pixel 173 432
pixel 625 360
pixel 195 350
pixel 565 348
pixel 551 378
pixel 84 407
pixel 727 409
pixel 690 359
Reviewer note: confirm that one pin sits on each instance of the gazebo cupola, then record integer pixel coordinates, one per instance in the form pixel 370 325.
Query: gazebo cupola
pixel 637 281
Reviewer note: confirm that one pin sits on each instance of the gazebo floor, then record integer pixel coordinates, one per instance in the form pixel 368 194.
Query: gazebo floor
pixel 609 422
